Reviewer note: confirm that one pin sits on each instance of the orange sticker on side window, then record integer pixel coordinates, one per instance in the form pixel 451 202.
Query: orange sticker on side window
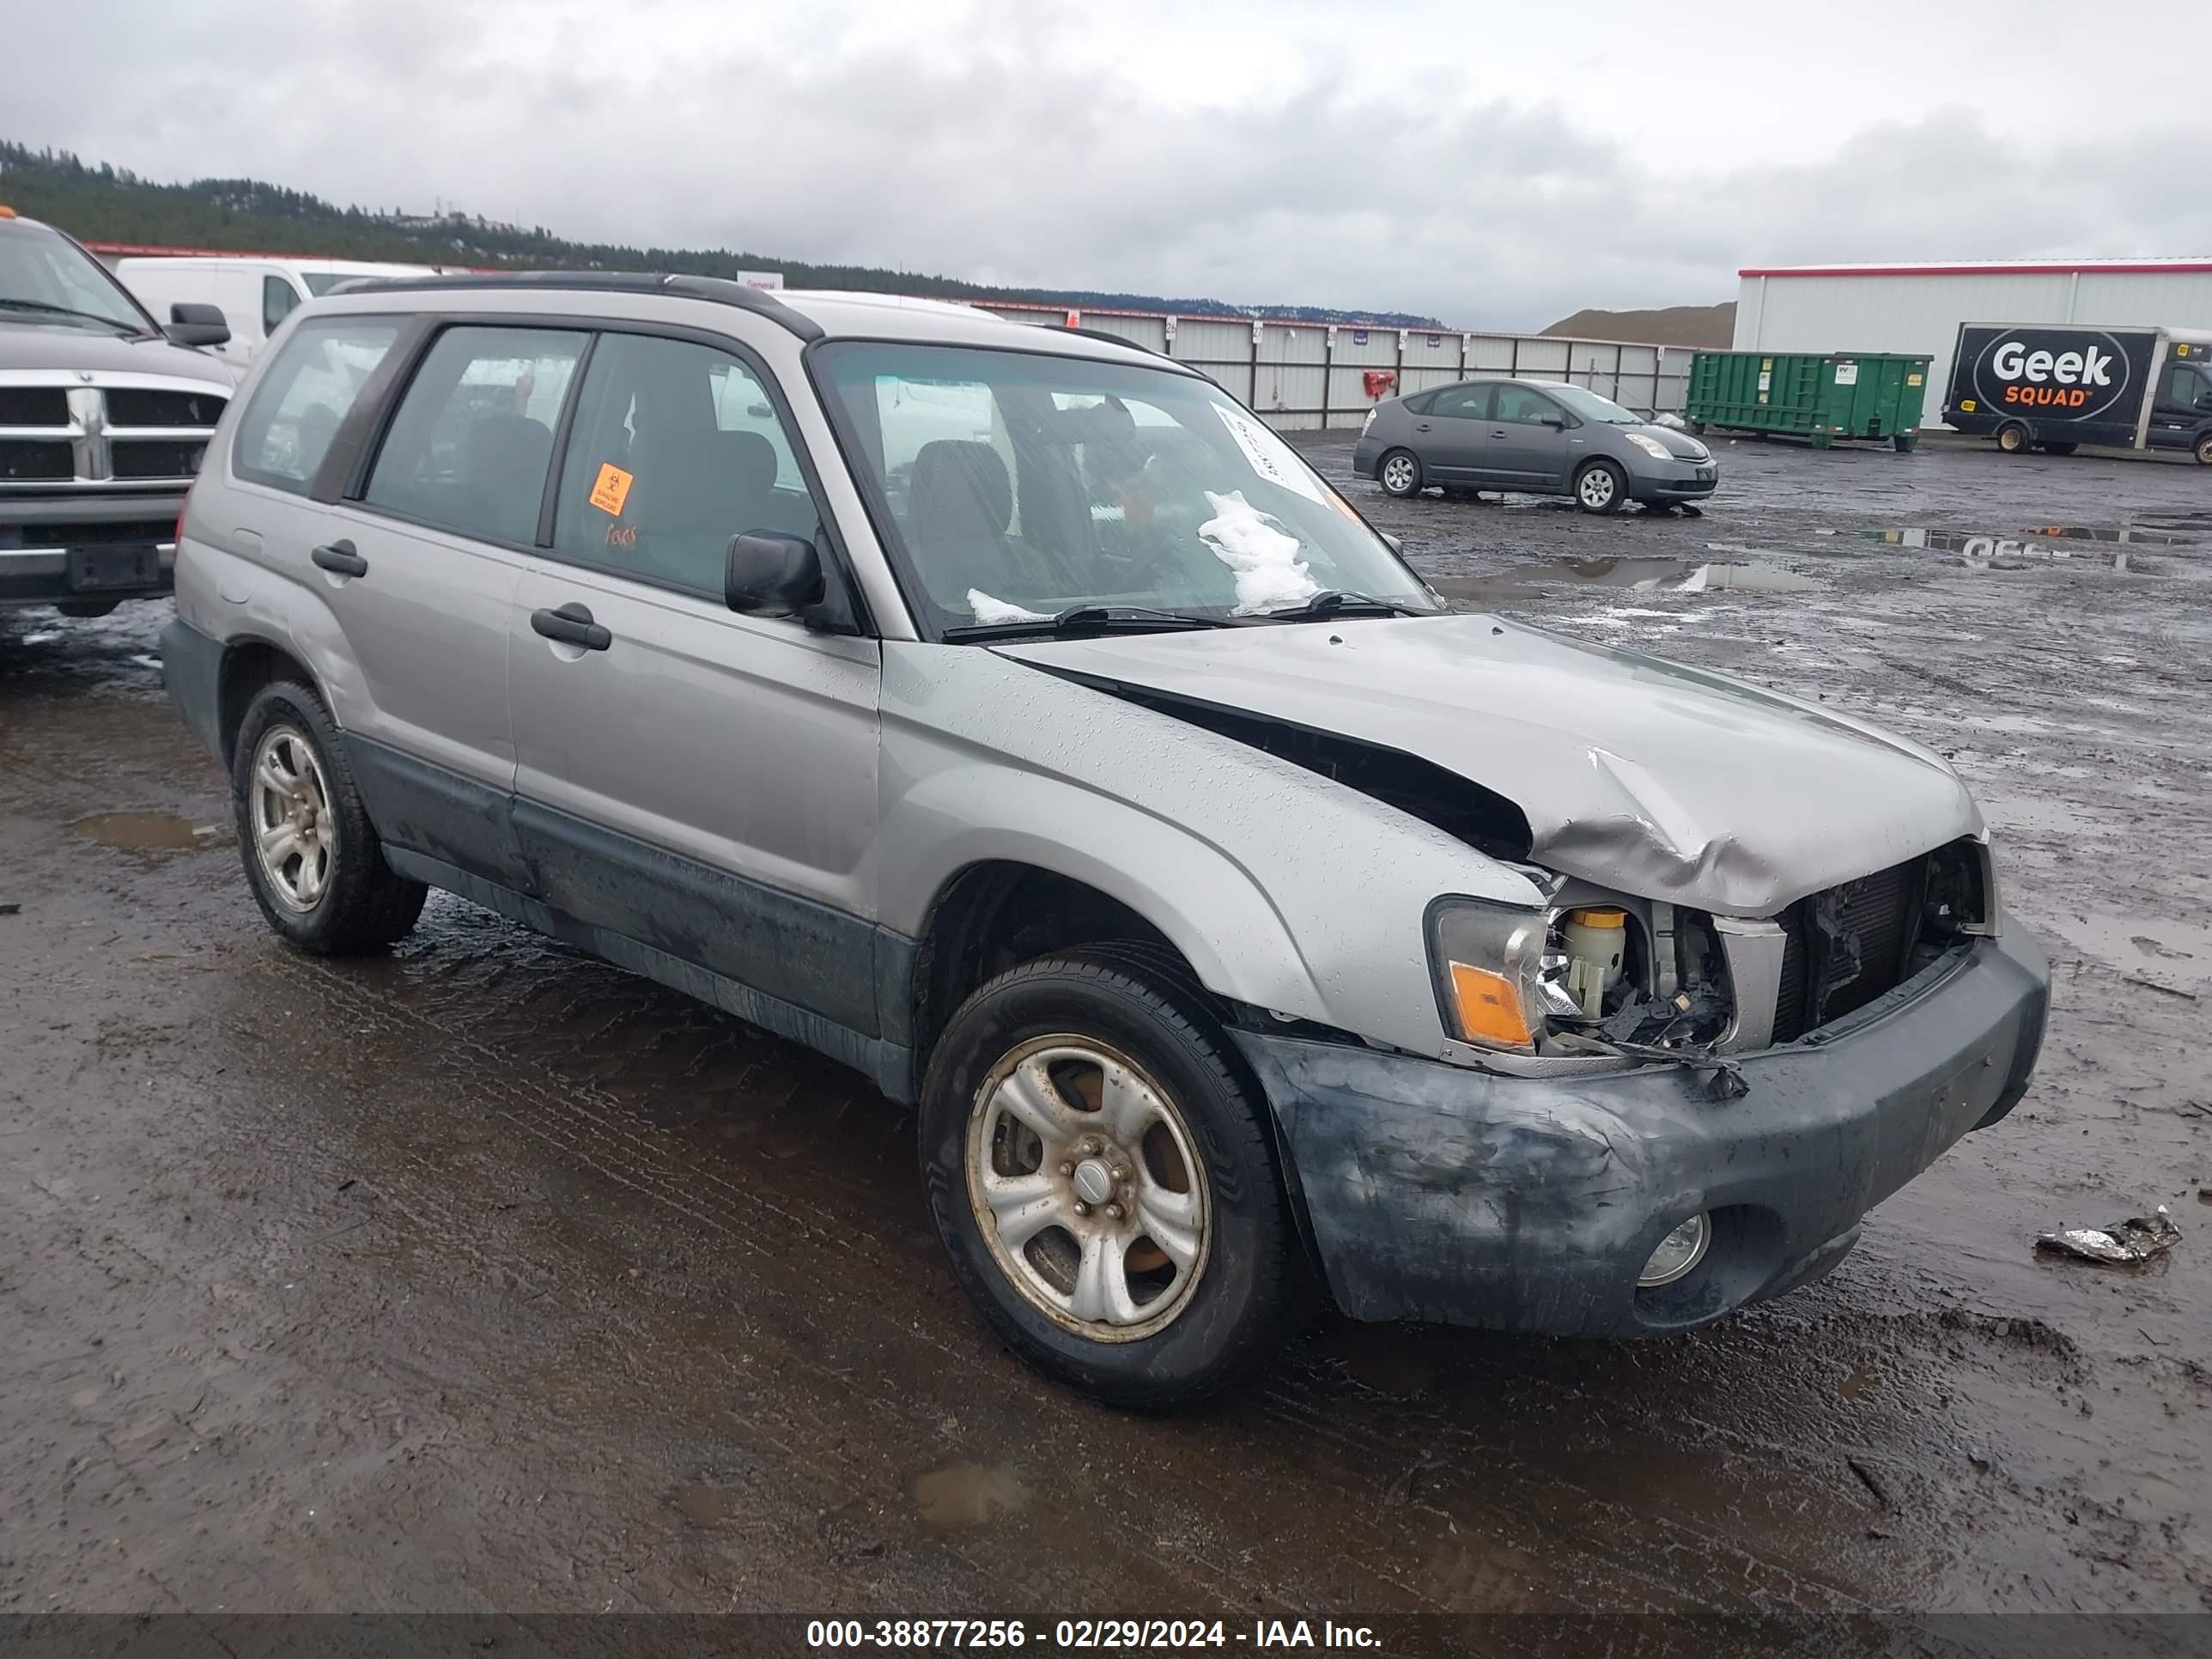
pixel 611 490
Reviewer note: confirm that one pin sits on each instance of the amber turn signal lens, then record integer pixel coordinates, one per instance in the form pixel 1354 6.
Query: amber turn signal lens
pixel 1489 1007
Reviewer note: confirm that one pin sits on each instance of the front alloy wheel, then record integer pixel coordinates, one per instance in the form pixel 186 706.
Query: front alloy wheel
pixel 1400 474
pixel 1087 1188
pixel 1599 487
pixel 1101 1170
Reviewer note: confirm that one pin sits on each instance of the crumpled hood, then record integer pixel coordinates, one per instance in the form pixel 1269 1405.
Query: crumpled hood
pixel 67 347
pixel 1650 777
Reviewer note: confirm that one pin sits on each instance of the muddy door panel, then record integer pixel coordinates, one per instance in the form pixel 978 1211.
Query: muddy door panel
pixel 699 781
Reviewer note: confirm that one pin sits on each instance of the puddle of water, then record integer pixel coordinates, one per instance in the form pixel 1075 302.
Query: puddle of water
pixel 1642 575
pixel 2046 543
pixel 970 1494
pixel 147 832
pixel 2169 952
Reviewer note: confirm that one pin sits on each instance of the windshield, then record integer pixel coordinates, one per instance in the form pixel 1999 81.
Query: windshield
pixel 1591 407
pixel 1021 484
pixel 48 278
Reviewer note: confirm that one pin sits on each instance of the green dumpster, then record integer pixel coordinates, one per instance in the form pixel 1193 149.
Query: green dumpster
pixel 1819 397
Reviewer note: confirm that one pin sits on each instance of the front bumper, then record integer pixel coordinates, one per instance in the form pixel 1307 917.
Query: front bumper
pixel 1674 481
pixel 88 549
pixel 1433 1192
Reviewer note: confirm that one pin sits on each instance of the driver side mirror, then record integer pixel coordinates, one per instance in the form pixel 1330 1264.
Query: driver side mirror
pixel 1557 423
pixel 770 574
pixel 192 325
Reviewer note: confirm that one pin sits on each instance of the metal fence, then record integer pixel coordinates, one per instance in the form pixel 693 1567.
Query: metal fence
pixel 1304 375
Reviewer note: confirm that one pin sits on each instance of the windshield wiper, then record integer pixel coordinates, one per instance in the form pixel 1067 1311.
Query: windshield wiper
pixel 1333 601
pixel 1081 618
pixel 46 310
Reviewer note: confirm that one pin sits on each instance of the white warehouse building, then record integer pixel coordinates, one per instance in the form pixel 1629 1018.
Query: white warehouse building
pixel 1918 309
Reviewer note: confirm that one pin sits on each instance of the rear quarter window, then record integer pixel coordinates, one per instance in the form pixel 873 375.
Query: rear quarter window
pixel 305 395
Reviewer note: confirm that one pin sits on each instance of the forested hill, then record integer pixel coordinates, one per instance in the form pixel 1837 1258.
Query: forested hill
pixel 96 202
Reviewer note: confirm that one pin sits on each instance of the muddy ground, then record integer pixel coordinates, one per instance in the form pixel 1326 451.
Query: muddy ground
pixel 486 1277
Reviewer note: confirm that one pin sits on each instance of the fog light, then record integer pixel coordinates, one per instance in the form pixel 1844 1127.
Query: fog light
pixel 1678 1251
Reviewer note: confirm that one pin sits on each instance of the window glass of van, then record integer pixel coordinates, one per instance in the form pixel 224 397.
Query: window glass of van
pixel 469 446
pixel 279 301
pixel 676 448
pixel 306 393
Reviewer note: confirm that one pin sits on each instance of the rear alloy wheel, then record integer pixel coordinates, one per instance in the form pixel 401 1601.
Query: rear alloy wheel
pixel 312 857
pixel 1400 473
pixel 1599 488
pixel 2013 439
pixel 1104 1183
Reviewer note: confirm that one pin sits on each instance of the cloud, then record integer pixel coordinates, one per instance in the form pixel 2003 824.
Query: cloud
pixel 1004 142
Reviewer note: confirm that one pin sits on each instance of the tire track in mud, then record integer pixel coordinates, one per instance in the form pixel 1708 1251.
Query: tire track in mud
pixel 577 1112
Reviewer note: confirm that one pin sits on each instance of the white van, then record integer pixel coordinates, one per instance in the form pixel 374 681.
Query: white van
pixel 254 292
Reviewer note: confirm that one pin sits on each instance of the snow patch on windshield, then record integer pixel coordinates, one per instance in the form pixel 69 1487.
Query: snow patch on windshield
pixel 988 610
pixel 1264 557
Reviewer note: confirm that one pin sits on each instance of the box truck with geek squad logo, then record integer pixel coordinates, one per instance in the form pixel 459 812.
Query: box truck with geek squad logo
pixel 2057 387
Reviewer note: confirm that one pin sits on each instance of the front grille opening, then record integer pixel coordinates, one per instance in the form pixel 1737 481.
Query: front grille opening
pixel 33 405
pixel 1863 939
pixel 35 460
pixel 156 458
pixel 130 406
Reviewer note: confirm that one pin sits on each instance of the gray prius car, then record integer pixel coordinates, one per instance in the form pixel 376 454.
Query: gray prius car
pixel 1531 437
pixel 1012 715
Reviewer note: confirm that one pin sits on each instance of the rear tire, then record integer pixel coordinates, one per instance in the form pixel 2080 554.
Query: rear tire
pixel 1080 1087
pixel 2060 449
pixel 2013 438
pixel 1600 487
pixel 310 854
pixel 2203 450
pixel 1400 474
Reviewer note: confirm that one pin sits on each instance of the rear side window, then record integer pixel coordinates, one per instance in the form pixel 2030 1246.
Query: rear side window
pixel 676 448
pixel 278 300
pixel 469 445
pixel 1468 403
pixel 306 392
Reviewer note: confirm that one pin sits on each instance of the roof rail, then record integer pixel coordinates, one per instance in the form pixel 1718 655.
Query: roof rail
pixel 720 289
pixel 1112 339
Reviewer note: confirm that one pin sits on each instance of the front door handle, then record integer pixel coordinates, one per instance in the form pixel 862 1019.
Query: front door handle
pixel 340 560
pixel 1500 434
pixel 1421 425
pixel 571 624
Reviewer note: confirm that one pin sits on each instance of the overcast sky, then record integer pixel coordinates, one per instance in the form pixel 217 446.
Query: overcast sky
pixel 1491 165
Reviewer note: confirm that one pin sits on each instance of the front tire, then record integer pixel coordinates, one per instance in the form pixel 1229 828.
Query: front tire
pixel 1105 1184
pixel 1600 487
pixel 1400 473
pixel 2013 439
pixel 310 854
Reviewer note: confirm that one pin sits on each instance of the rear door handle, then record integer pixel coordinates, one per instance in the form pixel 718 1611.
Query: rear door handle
pixel 571 624
pixel 339 559
pixel 1498 433
pixel 1421 425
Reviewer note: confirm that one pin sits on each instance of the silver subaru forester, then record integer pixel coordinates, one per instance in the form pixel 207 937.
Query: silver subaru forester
pixel 1013 715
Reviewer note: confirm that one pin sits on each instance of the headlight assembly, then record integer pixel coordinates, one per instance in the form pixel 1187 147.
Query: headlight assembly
pixel 1651 446
pixel 1488 960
